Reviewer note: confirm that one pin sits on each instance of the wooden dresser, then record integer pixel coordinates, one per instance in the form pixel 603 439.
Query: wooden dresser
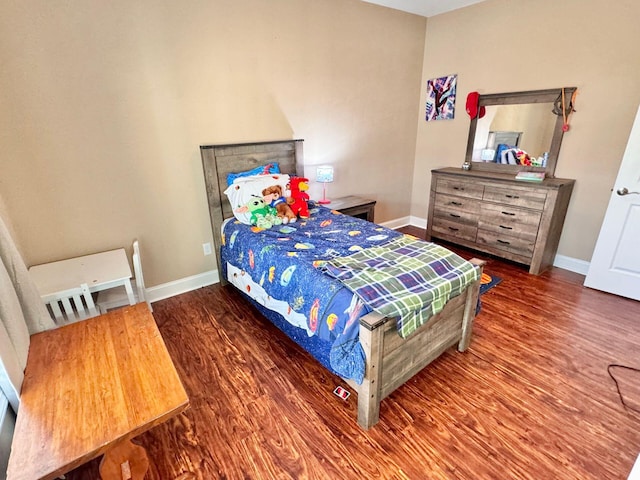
pixel 494 213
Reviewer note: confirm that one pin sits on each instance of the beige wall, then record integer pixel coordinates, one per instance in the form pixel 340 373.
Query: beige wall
pixel 6 219
pixel 514 45
pixel 103 106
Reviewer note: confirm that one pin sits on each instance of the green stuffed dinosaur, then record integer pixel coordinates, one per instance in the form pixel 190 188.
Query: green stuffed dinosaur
pixel 262 215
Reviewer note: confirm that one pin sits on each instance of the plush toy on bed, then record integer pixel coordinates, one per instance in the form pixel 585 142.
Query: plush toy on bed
pixel 262 216
pixel 273 197
pixel 298 199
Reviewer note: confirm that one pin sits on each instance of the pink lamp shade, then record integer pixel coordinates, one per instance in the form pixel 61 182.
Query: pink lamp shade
pixel 324 175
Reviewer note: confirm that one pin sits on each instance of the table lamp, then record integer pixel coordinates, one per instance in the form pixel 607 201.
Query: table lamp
pixel 324 175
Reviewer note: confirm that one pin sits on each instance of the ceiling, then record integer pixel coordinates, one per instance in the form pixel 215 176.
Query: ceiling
pixel 426 8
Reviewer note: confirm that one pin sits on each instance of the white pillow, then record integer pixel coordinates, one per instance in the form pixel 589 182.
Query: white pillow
pixel 244 189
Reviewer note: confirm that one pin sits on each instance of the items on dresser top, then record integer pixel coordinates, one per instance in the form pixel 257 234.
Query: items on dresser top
pixel 530 176
pixel 497 214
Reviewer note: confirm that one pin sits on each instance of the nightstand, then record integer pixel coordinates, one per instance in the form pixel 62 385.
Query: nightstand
pixel 354 206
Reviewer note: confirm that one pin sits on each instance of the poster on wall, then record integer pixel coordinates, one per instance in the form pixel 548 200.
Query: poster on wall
pixel 441 98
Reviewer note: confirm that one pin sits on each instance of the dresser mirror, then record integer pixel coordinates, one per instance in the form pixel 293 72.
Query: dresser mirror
pixel 518 131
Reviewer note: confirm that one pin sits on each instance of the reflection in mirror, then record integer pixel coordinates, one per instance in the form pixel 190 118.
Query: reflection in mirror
pixel 528 128
pixel 519 131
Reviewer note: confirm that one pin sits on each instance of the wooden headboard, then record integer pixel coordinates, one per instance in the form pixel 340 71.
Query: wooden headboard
pixel 219 160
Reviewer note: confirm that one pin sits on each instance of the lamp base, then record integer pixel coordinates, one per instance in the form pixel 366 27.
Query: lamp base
pixel 324 199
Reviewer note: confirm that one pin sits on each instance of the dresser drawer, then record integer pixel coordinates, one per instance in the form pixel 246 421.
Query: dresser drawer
pixel 457 209
pixel 455 215
pixel 508 220
pixel 509 243
pixel 465 204
pixel 461 188
pixel 442 226
pixel 516 196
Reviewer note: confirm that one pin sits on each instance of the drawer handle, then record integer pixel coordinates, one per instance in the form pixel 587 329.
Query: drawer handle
pixel 454 215
pixel 512 196
pixel 459 188
pixel 504 242
pixel 508 213
pixel 454 229
pixel 506 228
pixel 457 204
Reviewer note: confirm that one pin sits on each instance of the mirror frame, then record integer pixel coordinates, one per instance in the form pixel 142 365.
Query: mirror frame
pixel 531 96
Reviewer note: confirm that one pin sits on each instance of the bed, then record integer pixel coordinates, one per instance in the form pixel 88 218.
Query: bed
pixel 390 355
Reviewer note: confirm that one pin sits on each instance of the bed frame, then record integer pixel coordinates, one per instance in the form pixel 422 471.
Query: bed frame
pixel 390 359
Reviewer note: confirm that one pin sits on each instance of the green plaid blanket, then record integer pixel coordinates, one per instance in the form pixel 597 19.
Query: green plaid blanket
pixel 406 278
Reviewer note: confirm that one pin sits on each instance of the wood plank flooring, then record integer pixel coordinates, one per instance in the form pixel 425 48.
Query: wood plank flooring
pixel 530 399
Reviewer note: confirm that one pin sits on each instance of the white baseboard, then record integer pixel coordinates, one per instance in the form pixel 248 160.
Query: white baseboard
pixel 194 282
pixel 404 221
pixel 418 222
pixel 397 223
pixel 572 264
pixel 183 285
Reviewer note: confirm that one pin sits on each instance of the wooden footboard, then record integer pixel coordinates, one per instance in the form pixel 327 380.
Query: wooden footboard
pixel 392 360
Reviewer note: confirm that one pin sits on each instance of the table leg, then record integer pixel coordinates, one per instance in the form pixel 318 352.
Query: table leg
pixel 124 461
pixel 129 289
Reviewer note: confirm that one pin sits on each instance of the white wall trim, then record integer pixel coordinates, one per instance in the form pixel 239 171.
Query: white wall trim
pixel 397 223
pixel 572 264
pixel 183 285
pixel 418 222
pixel 404 221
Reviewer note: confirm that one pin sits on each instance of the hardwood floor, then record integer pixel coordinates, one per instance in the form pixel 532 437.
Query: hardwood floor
pixel 530 399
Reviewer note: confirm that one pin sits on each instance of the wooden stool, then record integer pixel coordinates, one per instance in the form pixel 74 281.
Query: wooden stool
pixel 124 461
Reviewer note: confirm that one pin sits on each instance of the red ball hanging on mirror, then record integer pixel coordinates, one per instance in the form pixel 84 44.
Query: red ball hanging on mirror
pixel 473 109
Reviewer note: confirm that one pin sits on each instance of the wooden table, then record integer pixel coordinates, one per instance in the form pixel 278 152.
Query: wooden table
pixel 100 271
pixel 90 387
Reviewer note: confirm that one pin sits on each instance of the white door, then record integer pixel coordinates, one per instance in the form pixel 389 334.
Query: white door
pixel 615 265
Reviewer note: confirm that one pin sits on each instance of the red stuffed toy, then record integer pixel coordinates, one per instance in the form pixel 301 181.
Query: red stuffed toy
pixel 298 199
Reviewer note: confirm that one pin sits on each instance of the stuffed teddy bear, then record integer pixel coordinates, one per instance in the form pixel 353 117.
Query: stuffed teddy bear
pixel 273 197
pixel 262 216
pixel 298 199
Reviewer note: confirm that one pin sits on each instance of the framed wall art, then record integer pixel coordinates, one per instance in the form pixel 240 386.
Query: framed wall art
pixel 441 98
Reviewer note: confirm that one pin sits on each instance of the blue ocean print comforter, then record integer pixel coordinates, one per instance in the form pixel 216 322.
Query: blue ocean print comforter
pixel 278 268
